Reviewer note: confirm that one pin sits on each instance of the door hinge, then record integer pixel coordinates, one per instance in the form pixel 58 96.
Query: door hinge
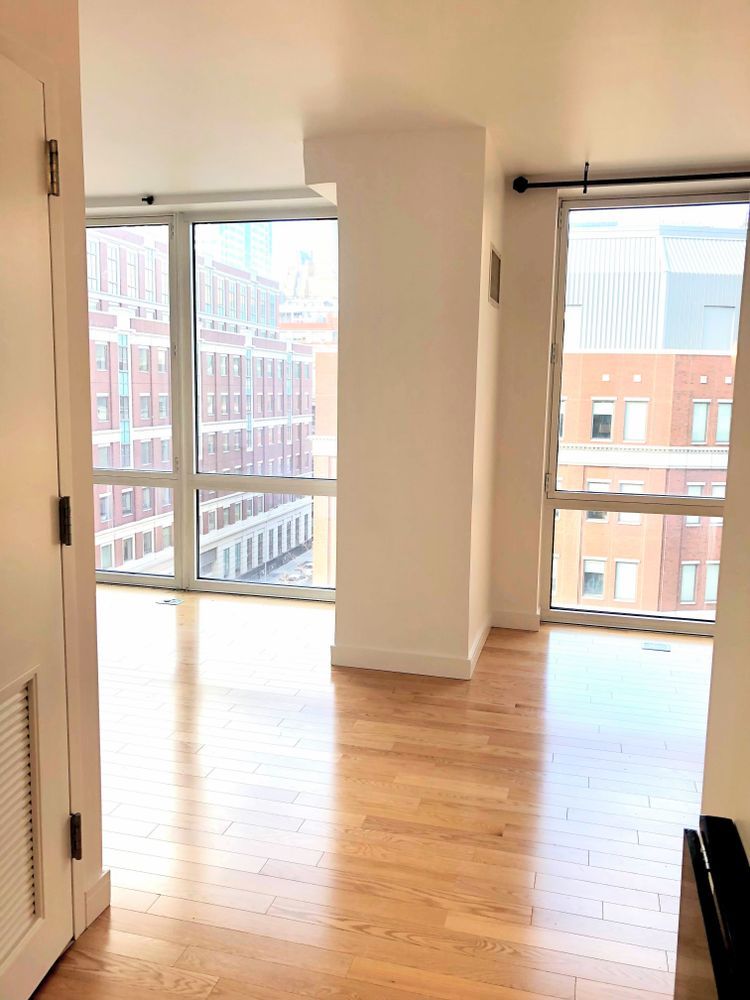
pixel 66 521
pixel 76 837
pixel 53 168
pixel 553 353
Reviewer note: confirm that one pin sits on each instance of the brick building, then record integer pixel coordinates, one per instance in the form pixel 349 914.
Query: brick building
pixel 645 408
pixel 255 408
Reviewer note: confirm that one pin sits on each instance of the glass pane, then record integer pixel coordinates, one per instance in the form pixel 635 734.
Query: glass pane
pixel 128 289
pixel 266 321
pixel 645 564
pixel 272 538
pixel 134 529
pixel 652 301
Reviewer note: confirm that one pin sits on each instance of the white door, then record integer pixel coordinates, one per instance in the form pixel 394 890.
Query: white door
pixel 36 912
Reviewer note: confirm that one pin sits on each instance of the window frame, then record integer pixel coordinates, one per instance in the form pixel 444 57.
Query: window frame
pixel 554 498
pixel 184 479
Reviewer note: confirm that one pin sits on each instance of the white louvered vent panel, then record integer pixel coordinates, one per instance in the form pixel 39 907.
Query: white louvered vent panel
pixel 17 876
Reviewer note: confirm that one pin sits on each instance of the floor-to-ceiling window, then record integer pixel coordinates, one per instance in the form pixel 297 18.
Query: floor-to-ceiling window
pixel 643 383
pixel 213 401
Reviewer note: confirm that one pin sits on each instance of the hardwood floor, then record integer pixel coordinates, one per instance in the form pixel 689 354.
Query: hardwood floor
pixel 278 829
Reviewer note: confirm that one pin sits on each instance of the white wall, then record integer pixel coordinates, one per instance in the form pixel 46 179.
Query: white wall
pixel 529 242
pixel 726 786
pixel 483 486
pixel 49 29
pixel 410 229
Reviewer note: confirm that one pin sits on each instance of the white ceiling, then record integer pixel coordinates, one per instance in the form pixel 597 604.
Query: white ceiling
pixel 217 95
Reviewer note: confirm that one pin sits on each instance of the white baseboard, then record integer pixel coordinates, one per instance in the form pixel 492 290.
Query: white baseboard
pixel 97 898
pixel 402 662
pixel 516 620
pixel 478 646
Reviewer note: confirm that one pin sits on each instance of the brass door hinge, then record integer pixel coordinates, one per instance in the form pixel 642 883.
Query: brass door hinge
pixel 53 168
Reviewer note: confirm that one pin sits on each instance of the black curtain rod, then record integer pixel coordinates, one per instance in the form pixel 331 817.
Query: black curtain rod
pixel 521 184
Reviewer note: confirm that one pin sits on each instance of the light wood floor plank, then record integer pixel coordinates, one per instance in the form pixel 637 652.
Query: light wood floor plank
pixel 278 829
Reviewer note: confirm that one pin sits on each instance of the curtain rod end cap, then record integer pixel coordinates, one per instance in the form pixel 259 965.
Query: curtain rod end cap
pixel 520 184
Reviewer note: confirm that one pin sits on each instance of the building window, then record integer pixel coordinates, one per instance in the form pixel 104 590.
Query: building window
pixel 636 420
pixel 718 328
pixel 211 404
pixel 148 543
pixel 165 451
pixel 626 580
pixel 223 364
pixel 163 406
pixel 147 497
pixel 225 442
pixel 166 536
pixel 113 270
pixel 161 360
pixel 105 507
pixel 694 490
pixel 122 359
pixel 712 582
pixel 92 265
pixel 235 365
pixel 145 406
pixel 699 424
pixel 128 549
pixel 102 407
pixel 630 516
pixel 719 491
pixel 723 422
pixel 593 577
pixel 688 574
pixel 146 453
pixel 149 274
pixel 227 553
pixel 597 486
pixel 105 557
pixel 144 359
pixel 126 502
pixel 238 440
pixel 224 403
pixel 132 274
pixel 602 413
pixel 211 520
pixel 102 357
pixel 210 364
pixel 210 444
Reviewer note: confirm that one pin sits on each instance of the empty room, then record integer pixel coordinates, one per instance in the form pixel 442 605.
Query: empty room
pixel 375 385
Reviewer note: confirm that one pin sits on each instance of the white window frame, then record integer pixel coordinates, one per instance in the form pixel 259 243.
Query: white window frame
pixel 693 404
pixel 706 598
pixel 184 479
pixel 599 559
pixel 695 563
pixel 628 401
pixel 603 399
pixel 634 517
pixel 719 404
pixel 626 562
pixel 555 498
